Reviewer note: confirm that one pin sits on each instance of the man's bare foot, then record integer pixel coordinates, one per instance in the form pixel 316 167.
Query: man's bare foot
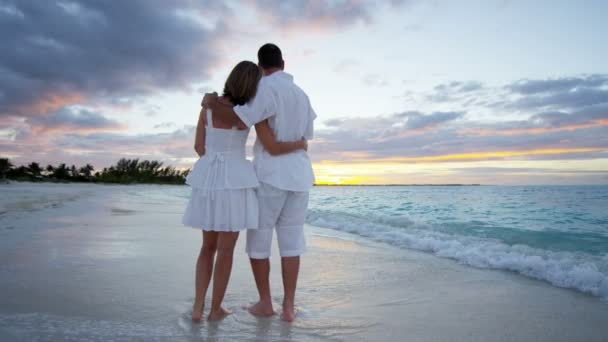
pixel 216 315
pixel 289 313
pixel 261 309
pixel 197 311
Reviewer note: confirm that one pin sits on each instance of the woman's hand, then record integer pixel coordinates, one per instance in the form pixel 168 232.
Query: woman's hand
pixel 200 149
pixel 209 98
pixel 303 144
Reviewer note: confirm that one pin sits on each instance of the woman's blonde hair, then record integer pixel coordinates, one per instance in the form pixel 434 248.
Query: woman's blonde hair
pixel 242 83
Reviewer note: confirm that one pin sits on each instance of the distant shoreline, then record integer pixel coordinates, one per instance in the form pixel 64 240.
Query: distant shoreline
pixel 63 181
pixel 125 171
pixel 448 184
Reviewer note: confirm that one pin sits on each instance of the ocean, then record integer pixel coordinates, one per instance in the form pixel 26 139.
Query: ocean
pixel 558 234
pixel 384 263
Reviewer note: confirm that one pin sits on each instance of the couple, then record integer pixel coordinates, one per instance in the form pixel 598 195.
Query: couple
pixel 230 194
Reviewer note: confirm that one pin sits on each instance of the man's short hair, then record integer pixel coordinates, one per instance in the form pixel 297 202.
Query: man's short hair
pixel 270 56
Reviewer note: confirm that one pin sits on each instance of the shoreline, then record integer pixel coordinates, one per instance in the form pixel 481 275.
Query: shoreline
pixel 458 302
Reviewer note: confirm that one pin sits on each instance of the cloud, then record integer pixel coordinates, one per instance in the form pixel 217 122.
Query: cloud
pixel 437 136
pixel 405 140
pixel 559 93
pixel 317 15
pixel 545 122
pixel 454 90
pixel 164 125
pixel 383 136
pixel 71 120
pixel 369 137
pixel 528 96
pixel 104 148
pixel 176 144
pixel 57 53
pixel 557 85
pixel 66 62
pixel 417 120
pixel 490 155
pixel 459 87
pixel 524 170
pixel 559 100
pixel 375 80
pixel 60 53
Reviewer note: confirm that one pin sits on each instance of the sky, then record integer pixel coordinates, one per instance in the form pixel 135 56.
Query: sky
pixel 406 91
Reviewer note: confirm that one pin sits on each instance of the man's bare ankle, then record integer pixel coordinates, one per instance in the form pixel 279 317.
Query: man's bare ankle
pixel 265 301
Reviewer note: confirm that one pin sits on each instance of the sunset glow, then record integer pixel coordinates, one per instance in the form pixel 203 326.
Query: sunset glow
pixel 487 155
pixel 405 91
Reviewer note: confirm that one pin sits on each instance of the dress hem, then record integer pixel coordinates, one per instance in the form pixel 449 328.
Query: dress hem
pixel 218 230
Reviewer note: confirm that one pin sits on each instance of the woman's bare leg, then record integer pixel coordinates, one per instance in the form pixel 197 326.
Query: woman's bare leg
pixel 204 269
pixel 223 267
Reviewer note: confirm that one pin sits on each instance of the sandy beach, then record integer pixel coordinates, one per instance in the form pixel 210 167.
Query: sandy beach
pixel 100 263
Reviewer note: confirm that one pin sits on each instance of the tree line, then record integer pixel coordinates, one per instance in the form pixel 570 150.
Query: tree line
pixel 125 171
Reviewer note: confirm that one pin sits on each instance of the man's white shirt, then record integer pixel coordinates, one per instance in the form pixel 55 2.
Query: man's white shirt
pixel 291 118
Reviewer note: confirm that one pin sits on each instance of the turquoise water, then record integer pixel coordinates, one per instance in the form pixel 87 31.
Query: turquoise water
pixel 554 233
pixel 558 234
pixel 558 218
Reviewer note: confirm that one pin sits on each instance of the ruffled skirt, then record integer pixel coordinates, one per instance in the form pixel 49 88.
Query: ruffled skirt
pixel 222 210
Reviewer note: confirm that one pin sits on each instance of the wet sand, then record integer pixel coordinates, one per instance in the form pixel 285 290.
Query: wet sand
pixel 106 263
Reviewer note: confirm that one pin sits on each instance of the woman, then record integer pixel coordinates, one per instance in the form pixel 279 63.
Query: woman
pixel 223 181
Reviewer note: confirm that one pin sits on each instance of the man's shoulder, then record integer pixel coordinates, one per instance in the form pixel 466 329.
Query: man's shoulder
pixel 264 82
pixel 283 84
pixel 294 87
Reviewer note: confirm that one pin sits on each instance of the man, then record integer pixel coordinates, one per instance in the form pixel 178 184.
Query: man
pixel 284 180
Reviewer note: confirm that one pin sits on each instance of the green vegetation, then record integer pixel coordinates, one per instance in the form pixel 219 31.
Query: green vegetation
pixel 125 171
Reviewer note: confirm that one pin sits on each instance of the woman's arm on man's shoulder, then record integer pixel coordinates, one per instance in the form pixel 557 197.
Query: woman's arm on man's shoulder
pixel 222 110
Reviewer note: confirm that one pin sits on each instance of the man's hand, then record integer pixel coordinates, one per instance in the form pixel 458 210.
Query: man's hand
pixel 209 99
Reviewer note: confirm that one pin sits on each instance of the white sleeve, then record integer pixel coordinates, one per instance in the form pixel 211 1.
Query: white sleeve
pixel 257 109
pixel 309 134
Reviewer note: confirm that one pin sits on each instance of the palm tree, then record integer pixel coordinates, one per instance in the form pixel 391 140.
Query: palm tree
pixel 49 170
pixel 86 170
pixel 122 166
pixel 133 167
pixel 73 171
pixel 167 171
pixel 20 172
pixel 34 169
pixel 5 166
pixel 61 172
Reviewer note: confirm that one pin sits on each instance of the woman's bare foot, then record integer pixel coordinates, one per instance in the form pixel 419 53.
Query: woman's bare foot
pixel 261 309
pixel 289 313
pixel 197 311
pixel 216 315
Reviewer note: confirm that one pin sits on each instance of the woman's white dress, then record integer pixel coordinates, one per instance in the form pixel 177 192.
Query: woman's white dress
pixel 223 183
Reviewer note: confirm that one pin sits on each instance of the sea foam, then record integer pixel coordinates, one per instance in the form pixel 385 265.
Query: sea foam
pixel 577 270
